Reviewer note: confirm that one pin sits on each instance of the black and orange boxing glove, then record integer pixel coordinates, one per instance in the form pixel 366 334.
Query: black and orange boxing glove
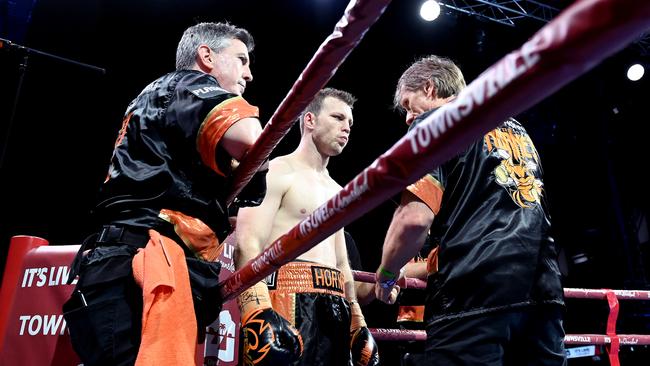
pixel 267 338
pixel 363 347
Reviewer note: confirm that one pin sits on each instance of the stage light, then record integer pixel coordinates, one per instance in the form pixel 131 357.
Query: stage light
pixel 635 72
pixel 430 10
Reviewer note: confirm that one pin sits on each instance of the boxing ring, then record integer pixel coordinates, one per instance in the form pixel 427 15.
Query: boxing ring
pixel 574 42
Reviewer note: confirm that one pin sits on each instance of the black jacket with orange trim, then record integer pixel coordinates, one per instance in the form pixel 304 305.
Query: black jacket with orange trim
pixel 167 154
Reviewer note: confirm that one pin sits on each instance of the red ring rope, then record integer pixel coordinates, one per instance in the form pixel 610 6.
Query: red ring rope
pixel 397 335
pixel 574 42
pixel 405 282
pixel 357 19
pixel 611 340
pixel 583 293
pixel 574 293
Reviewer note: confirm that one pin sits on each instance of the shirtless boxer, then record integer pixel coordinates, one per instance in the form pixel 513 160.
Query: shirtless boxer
pixel 315 293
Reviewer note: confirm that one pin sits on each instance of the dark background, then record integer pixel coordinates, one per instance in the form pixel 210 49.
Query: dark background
pixel 591 134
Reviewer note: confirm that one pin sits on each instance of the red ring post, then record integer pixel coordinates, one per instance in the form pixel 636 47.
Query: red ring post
pixel 613 346
pixel 19 246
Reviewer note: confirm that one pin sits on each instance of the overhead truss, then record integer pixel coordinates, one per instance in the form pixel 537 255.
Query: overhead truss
pixel 507 12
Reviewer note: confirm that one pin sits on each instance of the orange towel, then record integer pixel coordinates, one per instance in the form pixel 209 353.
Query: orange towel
pixel 168 322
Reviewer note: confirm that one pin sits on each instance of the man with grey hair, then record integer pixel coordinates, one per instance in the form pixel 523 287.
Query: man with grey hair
pixel 495 297
pixel 162 214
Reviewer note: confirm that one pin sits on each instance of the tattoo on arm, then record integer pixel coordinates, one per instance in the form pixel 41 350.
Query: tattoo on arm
pixel 248 297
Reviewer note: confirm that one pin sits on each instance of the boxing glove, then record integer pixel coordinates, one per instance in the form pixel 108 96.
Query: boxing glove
pixel 266 337
pixel 363 347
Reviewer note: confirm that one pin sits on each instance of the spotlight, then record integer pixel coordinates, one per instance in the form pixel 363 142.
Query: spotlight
pixel 429 10
pixel 635 72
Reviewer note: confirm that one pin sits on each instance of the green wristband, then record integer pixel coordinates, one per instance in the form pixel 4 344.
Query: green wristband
pixel 387 273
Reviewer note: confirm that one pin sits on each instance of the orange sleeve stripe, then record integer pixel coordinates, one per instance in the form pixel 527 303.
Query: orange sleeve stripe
pixel 429 191
pixel 215 125
pixel 432 261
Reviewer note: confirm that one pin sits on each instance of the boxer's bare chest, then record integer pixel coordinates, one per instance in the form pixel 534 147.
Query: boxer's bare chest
pixel 309 189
